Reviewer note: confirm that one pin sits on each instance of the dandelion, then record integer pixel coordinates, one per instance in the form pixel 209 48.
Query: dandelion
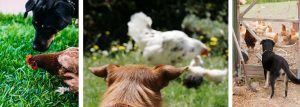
pixel 96 47
pixel 213 43
pixel 114 48
pixel 121 48
pixel 213 39
pixel 94 58
pixel 107 33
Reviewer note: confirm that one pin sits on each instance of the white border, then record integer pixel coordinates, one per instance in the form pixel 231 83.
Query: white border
pixel 80 18
pixel 230 51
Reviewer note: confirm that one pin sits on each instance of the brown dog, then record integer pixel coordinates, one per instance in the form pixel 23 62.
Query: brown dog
pixel 135 85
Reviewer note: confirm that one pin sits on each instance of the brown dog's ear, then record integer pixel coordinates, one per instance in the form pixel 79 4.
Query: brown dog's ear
pixel 168 72
pixel 103 70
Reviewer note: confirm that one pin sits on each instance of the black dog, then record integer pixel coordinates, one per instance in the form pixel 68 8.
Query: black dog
pixel 272 65
pixel 50 17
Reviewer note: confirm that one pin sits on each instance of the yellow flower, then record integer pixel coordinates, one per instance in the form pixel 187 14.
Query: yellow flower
pixel 96 47
pixel 107 33
pixel 213 43
pixel 114 48
pixel 94 58
pixel 121 47
pixel 213 39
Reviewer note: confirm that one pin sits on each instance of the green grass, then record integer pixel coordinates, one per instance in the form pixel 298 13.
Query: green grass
pixel 20 85
pixel 174 95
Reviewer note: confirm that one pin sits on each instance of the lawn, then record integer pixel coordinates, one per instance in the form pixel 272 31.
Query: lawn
pixel 174 95
pixel 20 85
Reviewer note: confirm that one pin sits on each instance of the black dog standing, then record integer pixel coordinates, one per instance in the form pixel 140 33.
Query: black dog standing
pixel 272 65
pixel 50 17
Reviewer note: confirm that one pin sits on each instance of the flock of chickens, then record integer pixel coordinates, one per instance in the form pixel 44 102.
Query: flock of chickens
pixel 287 36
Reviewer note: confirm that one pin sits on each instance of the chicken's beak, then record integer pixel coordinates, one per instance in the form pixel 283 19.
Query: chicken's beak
pixel 204 52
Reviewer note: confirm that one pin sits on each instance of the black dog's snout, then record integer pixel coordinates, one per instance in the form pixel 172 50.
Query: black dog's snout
pixel 39 47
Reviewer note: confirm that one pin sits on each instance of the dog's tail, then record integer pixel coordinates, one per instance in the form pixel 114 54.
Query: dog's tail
pixel 290 75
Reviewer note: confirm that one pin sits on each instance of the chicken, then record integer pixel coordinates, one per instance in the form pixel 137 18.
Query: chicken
pixel 249 39
pixel 242 31
pixel 259 27
pixel 64 64
pixel 294 36
pixel 295 26
pixel 285 34
pixel 270 34
pixel 169 47
pixel 214 75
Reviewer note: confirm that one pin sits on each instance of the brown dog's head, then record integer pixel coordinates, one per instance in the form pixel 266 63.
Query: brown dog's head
pixel 135 85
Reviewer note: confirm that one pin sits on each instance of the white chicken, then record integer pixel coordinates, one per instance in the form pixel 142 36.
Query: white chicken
pixel 159 47
pixel 214 75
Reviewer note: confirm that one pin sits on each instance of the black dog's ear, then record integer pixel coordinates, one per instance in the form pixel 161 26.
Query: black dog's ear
pixel 43 5
pixel 273 43
pixel 30 5
pixel 262 42
pixel 64 11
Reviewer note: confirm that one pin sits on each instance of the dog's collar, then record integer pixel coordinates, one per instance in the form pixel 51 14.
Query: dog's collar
pixel 72 3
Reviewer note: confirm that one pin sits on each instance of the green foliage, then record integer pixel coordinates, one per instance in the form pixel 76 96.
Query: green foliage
pixel 103 16
pixel 20 85
pixel 174 95
pixel 216 33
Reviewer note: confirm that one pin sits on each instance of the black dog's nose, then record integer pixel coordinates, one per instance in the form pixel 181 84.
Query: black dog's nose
pixel 38 48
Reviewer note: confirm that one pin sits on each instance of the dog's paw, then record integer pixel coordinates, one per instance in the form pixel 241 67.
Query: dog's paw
pixel 62 90
pixel 269 97
pixel 266 86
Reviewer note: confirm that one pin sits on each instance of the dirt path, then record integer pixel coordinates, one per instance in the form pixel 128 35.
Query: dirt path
pixel 260 98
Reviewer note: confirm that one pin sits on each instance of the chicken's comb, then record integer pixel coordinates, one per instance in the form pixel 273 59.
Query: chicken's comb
pixel 28 58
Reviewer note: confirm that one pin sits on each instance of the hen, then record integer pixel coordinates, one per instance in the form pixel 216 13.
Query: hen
pixel 197 73
pixel 64 64
pixel 159 47
pixel 285 34
pixel 249 39
pixel 270 34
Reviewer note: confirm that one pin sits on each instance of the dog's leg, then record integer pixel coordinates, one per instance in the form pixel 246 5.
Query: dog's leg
pixel 267 79
pixel 286 85
pixel 272 80
pixel 265 73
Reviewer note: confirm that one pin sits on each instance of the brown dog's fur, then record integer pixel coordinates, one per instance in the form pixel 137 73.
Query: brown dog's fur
pixel 135 85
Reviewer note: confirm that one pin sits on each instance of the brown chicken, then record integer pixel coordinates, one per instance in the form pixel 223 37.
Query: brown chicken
pixel 284 33
pixel 64 64
pixel 294 36
pixel 270 34
pixel 249 39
